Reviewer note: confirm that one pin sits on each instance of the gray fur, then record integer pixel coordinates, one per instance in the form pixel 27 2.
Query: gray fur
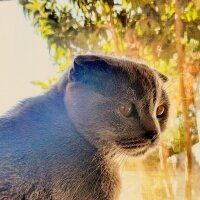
pixel 62 145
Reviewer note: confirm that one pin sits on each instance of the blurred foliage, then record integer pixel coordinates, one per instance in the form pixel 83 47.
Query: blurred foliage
pixel 136 29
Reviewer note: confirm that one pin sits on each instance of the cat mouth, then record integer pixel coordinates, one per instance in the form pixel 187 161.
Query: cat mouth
pixel 129 143
pixel 136 150
pixel 136 147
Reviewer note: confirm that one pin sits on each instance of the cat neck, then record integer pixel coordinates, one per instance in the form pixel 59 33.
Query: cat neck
pixel 39 131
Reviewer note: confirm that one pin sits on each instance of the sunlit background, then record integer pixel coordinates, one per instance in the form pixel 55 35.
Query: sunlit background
pixel 24 56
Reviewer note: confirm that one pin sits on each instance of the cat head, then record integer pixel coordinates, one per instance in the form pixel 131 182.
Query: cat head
pixel 117 104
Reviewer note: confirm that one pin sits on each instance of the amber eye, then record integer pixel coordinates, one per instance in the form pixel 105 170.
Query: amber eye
pixel 160 111
pixel 126 109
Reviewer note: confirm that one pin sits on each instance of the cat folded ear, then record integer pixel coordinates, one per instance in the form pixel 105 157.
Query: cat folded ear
pixel 87 64
pixel 162 76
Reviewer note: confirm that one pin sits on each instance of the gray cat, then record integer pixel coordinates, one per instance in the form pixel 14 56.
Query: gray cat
pixel 64 144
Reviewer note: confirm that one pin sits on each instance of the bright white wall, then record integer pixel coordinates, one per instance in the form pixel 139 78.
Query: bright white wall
pixel 24 56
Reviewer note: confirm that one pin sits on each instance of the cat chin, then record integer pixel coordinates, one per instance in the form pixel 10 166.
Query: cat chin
pixel 119 154
pixel 123 154
pixel 138 152
pixel 142 152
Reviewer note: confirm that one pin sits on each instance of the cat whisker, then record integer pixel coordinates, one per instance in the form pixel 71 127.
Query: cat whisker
pixel 127 141
pixel 130 142
pixel 140 152
pixel 133 146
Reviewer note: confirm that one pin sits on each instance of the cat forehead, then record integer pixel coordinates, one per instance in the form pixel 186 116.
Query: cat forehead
pixel 138 76
pixel 111 61
pixel 118 74
pixel 132 68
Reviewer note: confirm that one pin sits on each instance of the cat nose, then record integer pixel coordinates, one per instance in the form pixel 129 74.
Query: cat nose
pixel 151 135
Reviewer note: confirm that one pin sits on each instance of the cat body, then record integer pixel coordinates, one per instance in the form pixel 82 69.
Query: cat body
pixel 62 145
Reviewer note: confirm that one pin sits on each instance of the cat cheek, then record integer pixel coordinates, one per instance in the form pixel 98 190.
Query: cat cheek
pixel 77 101
pixel 81 105
pixel 163 124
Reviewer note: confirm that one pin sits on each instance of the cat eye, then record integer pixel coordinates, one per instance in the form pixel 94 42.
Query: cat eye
pixel 160 111
pixel 126 109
